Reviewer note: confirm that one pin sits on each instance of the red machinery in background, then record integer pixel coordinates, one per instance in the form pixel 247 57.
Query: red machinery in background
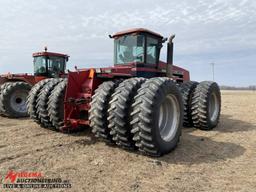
pixel 14 88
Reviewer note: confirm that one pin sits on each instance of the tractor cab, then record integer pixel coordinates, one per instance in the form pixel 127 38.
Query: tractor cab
pixel 49 64
pixel 139 47
pixel 139 50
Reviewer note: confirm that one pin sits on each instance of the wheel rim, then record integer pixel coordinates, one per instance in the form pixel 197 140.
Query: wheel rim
pixel 214 107
pixel 169 117
pixel 18 101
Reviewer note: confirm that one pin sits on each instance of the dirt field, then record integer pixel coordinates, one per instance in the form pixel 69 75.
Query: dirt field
pixel 218 160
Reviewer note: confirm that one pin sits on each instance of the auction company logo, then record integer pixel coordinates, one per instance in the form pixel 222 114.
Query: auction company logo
pixel 28 179
pixel 12 176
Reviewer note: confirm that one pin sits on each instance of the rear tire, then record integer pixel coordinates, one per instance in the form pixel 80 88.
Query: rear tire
pixel 157 116
pixel 119 112
pixel 56 105
pixel 99 109
pixel 32 99
pixel 187 90
pixel 13 99
pixel 206 105
pixel 42 102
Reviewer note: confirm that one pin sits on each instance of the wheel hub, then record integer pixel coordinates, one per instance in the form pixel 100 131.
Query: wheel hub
pixel 214 107
pixel 169 117
pixel 18 101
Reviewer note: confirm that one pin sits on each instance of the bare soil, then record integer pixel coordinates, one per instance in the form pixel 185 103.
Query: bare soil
pixel 218 160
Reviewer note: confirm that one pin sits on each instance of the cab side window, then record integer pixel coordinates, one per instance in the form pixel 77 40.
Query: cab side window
pixel 152 44
pixel 56 66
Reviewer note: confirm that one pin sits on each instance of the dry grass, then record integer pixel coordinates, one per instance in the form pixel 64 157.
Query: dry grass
pixel 218 160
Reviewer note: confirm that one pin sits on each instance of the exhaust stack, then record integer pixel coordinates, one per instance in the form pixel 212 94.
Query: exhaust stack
pixel 169 56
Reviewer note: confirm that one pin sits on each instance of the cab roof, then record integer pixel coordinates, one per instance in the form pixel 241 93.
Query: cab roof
pixel 136 31
pixel 46 53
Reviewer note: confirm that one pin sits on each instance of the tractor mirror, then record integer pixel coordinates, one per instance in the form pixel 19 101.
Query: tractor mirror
pixel 164 40
pixel 159 45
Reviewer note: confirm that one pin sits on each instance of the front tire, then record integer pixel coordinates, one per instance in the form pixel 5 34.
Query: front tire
pixel 42 102
pixel 157 116
pixel 56 105
pixel 119 112
pixel 98 113
pixel 32 99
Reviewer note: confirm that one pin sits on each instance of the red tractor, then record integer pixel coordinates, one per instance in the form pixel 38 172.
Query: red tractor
pixel 14 88
pixel 139 103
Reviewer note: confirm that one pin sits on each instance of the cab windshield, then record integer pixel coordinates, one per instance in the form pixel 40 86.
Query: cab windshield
pixel 49 66
pixel 40 65
pixel 137 49
pixel 129 49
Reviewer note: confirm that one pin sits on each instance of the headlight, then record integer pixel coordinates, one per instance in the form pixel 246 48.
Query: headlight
pixel 98 70
pixel 107 71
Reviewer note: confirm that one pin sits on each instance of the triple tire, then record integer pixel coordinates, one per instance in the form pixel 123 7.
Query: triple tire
pixel 45 102
pixel 138 114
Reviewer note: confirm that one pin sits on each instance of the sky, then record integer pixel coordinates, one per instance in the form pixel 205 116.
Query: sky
pixel 207 31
